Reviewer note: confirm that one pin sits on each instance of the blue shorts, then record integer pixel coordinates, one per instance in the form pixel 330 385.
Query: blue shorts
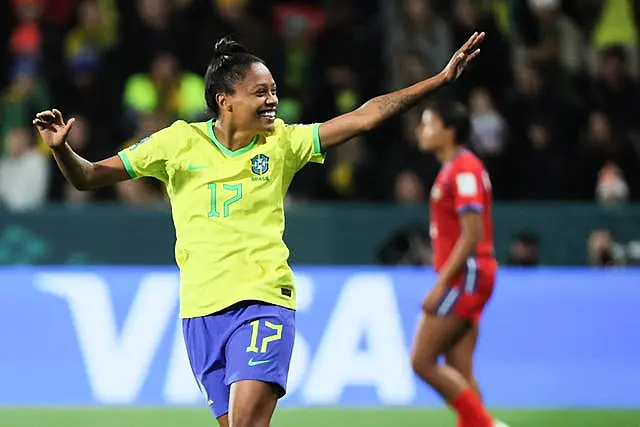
pixel 247 341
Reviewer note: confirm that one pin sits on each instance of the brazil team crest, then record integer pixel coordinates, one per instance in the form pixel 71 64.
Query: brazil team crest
pixel 260 164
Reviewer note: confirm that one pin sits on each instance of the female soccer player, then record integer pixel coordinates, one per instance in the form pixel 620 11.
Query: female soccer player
pixel 227 179
pixel 462 237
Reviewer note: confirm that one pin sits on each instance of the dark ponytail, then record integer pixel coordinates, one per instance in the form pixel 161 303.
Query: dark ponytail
pixel 227 47
pixel 227 67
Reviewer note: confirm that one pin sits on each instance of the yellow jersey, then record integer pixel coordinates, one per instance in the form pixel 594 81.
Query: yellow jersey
pixel 228 209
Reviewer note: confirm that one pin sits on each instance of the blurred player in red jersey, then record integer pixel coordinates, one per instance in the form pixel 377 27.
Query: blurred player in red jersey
pixel 462 238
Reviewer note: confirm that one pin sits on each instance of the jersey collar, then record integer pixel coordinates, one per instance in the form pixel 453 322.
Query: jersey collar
pixel 224 149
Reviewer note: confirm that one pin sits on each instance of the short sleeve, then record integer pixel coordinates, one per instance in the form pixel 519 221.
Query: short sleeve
pixel 468 191
pixel 304 141
pixel 148 157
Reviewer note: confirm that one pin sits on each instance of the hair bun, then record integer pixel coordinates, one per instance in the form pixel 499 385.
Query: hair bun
pixel 227 47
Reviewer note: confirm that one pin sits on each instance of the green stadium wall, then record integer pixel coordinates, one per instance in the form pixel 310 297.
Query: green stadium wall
pixel 317 234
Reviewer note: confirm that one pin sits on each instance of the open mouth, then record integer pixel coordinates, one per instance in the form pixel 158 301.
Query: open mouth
pixel 267 114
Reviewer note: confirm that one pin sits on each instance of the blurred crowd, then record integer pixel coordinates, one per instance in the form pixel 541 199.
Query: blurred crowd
pixel 554 97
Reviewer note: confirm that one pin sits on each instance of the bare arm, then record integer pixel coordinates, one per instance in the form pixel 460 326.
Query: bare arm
pixel 374 112
pixel 81 173
pixel 85 175
pixel 470 236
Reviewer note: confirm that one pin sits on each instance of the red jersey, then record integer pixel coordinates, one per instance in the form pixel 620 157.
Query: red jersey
pixel 462 185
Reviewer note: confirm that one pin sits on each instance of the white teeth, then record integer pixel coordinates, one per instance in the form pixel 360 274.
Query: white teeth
pixel 269 114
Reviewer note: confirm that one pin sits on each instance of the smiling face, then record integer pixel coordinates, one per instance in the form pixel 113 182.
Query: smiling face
pixel 252 104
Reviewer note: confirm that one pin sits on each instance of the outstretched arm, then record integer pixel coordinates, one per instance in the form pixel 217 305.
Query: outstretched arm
pixel 376 111
pixel 81 173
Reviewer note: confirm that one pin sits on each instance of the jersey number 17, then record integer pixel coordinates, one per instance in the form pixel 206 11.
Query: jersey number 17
pixel 233 193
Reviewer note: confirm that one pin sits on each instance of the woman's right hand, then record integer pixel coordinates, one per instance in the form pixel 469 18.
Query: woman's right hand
pixel 52 128
pixel 463 57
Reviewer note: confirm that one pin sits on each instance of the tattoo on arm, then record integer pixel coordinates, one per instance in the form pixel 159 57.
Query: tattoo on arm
pixel 375 111
pixel 403 99
pixel 395 103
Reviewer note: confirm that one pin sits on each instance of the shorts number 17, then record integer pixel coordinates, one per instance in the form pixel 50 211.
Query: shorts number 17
pixel 253 347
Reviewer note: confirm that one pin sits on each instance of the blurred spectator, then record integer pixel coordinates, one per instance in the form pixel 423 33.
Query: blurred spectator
pixel 488 128
pixel 344 171
pixel 408 188
pixel 23 98
pixel 616 26
pixel 148 124
pixel 27 38
pixel 611 189
pixel 347 59
pixel 415 26
pixel 24 173
pixel 294 60
pixel 96 28
pixel 491 70
pixel 35 38
pixel 166 89
pixel 524 250
pixel 602 250
pixel 84 88
pixel 599 145
pixel 558 38
pixel 297 36
pixel 615 91
pixel 411 172
pixel 531 98
pixel 346 175
pixel 538 168
pixel 246 19
pixel 537 111
pixel 489 137
pixel 412 67
pixel 633 253
pixel 201 23
pixel 150 29
pixel 408 246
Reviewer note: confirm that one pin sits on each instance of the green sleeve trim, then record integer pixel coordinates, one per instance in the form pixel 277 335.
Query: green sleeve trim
pixel 127 164
pixel 317 149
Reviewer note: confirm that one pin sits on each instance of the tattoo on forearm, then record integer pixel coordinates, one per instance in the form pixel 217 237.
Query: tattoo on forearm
pixel 391 104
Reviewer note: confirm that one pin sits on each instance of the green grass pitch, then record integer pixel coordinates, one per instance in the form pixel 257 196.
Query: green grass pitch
pixel 161 417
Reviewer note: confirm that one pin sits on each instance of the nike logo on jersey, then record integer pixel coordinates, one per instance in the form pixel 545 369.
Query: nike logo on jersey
pixel 196 167
pixel 257 362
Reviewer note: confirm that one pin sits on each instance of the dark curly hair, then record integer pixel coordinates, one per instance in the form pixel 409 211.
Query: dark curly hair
pixel 227 67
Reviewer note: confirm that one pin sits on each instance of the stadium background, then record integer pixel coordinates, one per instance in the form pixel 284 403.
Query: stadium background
pixel 554 106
